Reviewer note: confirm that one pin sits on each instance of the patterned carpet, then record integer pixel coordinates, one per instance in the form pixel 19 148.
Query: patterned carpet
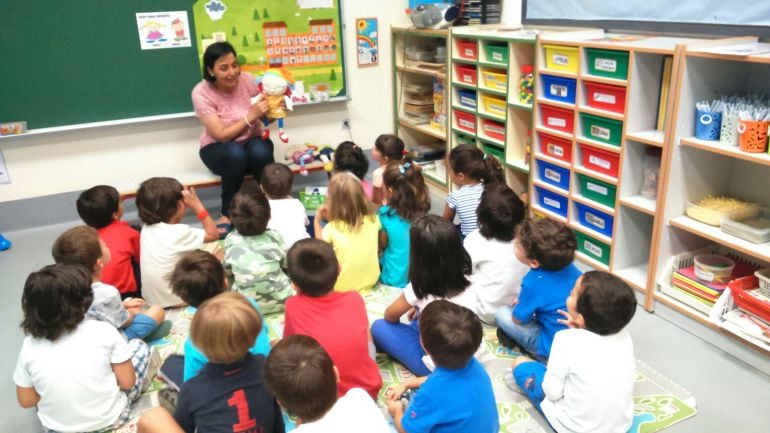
pixel 659 402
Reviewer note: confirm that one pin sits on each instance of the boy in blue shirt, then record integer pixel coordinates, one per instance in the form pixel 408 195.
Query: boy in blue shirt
pixel 457 397
pixel 548 248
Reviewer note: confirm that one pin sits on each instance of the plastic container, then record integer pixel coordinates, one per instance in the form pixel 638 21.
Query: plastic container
pixel 755 230
pixel 495 80
pixel 559 89
pixel 493 105
pixel 560 119
pixel 496 53
pixel 606 97
pixel 555 147
pixel 467 49
pixel 595 220
pixel 526 84
pixel 467 98
pixel 728 132
pixel 708 125
pixel 601 129
pixel 763 275
pixel 607 63
pixel 592 248
pixel 553 174
pixel 741 289
pixel 464 139
pixel 712 213
pixel 713 268
pixel 597 191
pixel 466 74
pixel 753 135
pixel 561 58
pixel 600 160
pixel 551 201
pixel 465 121
pixel 494 151
pixel 493 129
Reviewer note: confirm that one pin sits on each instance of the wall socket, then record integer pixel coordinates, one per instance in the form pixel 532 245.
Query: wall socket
pixel 345 124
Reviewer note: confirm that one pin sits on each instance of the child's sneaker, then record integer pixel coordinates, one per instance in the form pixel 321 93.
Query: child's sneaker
pixel 507 341
pixel 168 398
pixel 510 381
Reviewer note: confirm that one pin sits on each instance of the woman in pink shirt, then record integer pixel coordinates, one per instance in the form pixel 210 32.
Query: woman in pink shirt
pixel 231 143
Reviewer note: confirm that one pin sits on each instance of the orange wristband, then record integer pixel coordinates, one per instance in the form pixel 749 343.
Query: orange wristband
pixel 202 215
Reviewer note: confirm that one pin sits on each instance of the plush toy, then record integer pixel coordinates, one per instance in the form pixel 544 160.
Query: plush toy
pixel 325 155
pixel 300 155
pixel 276 85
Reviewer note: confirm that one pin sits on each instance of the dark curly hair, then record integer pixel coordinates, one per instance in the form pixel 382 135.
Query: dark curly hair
pixel 549 242
pixel 55 300
pixel 606 302
pixel 349 157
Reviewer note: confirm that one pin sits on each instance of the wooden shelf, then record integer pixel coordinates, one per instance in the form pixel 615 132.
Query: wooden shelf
pixel 603 113
pixel 425 129
pixel 432 176
pixel 760 251
pixel 652 137
pixel 591 262
pixel 604 80
pixel 464 109
pixel 490 116
pixel 557 73
pixel 733 152
pixel 554 132
pixel 590 203
pixel 549 187
pixel 491 90
pixel 518 165
pixel 639 203
pixel 490 140
pixel 598 144
pixel 411 30
pixel 492 64
pixel 519 105
pixel 635 276
pixel 551 160
pixel 464 85
pixel 422 71
pixel 536 208
pixel 464 60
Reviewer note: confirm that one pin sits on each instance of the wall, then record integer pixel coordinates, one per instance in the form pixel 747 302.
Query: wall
pixel 124 155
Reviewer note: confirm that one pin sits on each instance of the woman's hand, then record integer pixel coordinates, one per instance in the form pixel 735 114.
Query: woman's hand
pixel 258 109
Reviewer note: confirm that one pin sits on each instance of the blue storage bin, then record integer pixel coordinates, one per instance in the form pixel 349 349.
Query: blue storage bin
pixel 559 89
pixel 467 98
pixel 595 220
pixel 553 174
pixel 551 201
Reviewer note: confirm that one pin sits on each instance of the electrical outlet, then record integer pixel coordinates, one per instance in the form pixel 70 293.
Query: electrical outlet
pixel 345 124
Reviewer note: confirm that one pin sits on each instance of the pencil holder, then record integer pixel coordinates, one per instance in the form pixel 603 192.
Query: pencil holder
pixel 707 124
pixel 753 135
pixel 728 134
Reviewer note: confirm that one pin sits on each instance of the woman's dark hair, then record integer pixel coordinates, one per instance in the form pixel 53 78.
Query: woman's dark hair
pixel 409 195
pixel 55 300
pixel 500 211
pixel 158 199
pixel 213 53
pixel 390 146
pixel 438 262
pixel 475 164
pixel 250 210
pixel 349 157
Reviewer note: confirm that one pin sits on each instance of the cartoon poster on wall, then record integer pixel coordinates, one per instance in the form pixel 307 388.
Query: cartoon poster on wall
pixel 366 42
pixel 163 30
pixel 303 37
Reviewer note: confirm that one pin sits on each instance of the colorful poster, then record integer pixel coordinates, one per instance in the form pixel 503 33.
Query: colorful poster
pixel 366 42
pixel 163 30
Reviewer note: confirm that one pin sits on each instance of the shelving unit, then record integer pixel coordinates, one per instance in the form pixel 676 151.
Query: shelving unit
pixel 423 73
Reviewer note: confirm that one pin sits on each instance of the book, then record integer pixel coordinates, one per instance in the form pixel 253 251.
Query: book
pixel 172 371
pixel 665 83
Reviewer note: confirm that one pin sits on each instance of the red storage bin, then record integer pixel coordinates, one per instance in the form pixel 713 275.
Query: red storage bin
pixel 468 49
pixel 740 289
pixel 465 121
pixel 466 74
pixel 493 129
pixel 600 160
pixel 555 147
pixel 557 118
pixel 606 97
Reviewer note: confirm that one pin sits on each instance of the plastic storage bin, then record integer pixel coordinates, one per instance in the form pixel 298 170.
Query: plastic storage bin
pixel 600 161
pixel 465 121
pixel 606 97
pixel 464 139
pixel 493 129
pixel 764 280
pixel 718 208
pixel 466 74
pixel 467 49
pixel 495 80
pixel 592 248
pixel 756 230
pixel 493 105
pixel 597 191
pixel 555 147
pixel 561 58
pixel 559 89
pixel 560 119
pixel 553 174
pixel 595 220
pixel 601 129
pixel 713 268
pixel 741 289
pixel 551 201
pixel 467 98
pixel 494 151
pixel 607 63
pixel 496 53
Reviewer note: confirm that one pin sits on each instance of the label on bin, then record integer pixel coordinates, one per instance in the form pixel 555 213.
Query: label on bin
pixel 467 101
pixel 551 202
pixel 596 188
pixel 467 78
pixel 493 106
pixel 497 56
pixel 559 90
pixel 466 124
pixel 604 97
pixel 469 52
pixel 560 59
pixel 595 220
pixel 595 160
pixel 552 175
pixel 554 149
pixel 704 275
pixel 607 65
pixel 601 132
pixel 556 121
pixel 593 249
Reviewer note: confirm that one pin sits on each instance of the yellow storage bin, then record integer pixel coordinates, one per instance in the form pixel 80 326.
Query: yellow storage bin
pixel 561 58
pixel 493 105
pixel 495 80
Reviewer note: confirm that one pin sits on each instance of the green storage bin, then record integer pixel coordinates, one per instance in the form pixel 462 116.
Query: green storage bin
pixel 607 63
pixel 601 129
pixel 494 151
pixel 598 191
pixel 592 248
pixel 464 139
pixel 496 53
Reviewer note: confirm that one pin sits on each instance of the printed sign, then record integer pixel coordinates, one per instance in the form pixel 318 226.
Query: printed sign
pixel 554 149
pixel 594 220
pixel 552 175
pixel 593 249
pixel 551 202
pixel 600 132
pixel 604 97
pixel 559 59
pixel 556 121
pixel 163 30
pixel 607 65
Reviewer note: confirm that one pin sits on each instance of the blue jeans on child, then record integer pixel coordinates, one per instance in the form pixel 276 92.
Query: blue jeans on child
pixel 525 334
pixel 232 161
pixel 402 342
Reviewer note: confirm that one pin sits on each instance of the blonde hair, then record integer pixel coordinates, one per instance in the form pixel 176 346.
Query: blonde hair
pixel 225 327
pixel 347 201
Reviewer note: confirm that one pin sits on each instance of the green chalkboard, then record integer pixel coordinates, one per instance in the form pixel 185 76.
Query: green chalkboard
pixel 66 62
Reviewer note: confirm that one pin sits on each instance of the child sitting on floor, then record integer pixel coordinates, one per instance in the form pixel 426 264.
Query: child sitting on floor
pixel 81 375
pixel 348 157
pixel 457 397
pixel 162 203
pixel 82 246
pixel 387 148
pixel 337 320
pixel 548 248
pixel 101 208
pixel 304 379
pixel 287 214
pixel 197 277
pixel 254 254
pixel 589 381
pixel 229 394
pixel 497 274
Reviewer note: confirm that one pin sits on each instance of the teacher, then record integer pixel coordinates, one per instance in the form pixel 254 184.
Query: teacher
pixel 231 145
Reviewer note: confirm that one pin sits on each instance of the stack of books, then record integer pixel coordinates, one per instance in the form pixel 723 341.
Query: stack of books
pixel 418 103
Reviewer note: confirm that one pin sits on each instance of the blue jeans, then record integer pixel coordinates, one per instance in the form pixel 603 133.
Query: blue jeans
pixel 525 335
pixel 401 342
pixel 232 161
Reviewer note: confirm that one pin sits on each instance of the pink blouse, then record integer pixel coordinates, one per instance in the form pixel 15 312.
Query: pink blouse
pixel 230 107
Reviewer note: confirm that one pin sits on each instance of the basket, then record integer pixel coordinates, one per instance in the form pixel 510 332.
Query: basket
pixel 741 289
pixel 763 275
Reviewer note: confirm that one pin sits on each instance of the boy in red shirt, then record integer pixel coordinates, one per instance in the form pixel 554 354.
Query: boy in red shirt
pixel 101 208
pixel 337 320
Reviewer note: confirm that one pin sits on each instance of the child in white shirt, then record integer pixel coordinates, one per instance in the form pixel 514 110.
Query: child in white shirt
pixel 287 214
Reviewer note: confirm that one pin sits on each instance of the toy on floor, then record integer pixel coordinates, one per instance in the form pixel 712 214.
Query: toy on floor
pixel 4 243
pixel 276 85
